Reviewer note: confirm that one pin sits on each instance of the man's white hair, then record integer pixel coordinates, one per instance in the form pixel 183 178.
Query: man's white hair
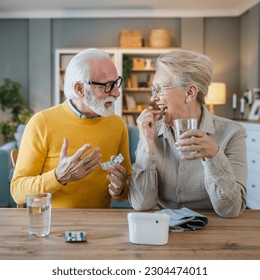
pixel 78 70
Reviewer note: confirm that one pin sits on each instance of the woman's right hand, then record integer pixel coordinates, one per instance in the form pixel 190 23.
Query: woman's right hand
pixel 146 124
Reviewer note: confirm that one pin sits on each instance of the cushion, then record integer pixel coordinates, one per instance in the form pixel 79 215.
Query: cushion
pixel 133 134
pixel 19 133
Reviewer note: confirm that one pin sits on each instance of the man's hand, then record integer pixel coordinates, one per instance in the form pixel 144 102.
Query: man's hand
pixel 117 178
pixel 76 166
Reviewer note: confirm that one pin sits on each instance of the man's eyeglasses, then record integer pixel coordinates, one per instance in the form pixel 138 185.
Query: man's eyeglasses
pixel 158 89
pixel 108 87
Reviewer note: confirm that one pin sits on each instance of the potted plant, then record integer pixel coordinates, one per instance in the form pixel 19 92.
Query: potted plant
pixel 11 98
pixel 127 69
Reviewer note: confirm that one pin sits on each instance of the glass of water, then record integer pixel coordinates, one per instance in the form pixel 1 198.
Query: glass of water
pixel 181 126
pixel 39 213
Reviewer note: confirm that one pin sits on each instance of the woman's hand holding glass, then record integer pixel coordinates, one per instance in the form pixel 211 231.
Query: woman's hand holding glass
pixel 199 143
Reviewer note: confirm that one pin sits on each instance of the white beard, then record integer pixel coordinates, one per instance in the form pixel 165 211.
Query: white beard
pixel 98 105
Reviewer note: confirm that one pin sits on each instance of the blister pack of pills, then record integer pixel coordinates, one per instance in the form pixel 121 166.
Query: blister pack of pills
pixel 118 159
pixel 75 236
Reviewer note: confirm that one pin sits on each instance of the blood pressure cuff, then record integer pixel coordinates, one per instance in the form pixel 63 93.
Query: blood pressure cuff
pixel 185 219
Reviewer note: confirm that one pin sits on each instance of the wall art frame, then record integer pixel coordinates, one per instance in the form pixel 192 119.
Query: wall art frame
pixel 254 113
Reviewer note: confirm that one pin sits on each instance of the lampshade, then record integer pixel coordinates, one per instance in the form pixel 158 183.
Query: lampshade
pixel 216 95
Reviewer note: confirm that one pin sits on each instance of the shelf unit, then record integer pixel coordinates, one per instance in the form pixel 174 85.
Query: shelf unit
pixel 139 83
pixel 139 94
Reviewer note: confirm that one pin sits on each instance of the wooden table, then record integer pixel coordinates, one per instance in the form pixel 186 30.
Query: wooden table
pixel 107 231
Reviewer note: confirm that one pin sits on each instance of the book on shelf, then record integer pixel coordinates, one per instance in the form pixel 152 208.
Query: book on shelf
pixel 129 119
pixel 130 102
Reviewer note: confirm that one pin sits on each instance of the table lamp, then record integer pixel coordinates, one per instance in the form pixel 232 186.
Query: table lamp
pixel 216 95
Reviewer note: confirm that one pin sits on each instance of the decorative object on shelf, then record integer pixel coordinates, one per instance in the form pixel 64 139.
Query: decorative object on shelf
pixel 142 84
pixel 140 106
pixel 256 93
pixel 234 104
pixel 129 119
pixel 242 107
pixel 246 102
pixel 133 81
pixel 255 111
pixel 216 95
pixel 149 64
pixel 11 99
pixel 130 39
pixel 250 98
pixel 160 38
pixel 130 102
pixel 138 63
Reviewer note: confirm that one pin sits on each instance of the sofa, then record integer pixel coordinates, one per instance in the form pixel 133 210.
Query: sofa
pixel 6 168
pixel 133 134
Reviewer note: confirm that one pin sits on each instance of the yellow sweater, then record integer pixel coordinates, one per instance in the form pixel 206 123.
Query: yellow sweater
pixel 40 150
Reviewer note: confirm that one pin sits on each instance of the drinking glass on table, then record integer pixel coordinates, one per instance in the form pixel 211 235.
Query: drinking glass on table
pixel 39 213
pixel 181 126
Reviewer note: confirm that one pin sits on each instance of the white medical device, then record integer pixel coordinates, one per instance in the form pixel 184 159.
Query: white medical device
pixel 148 228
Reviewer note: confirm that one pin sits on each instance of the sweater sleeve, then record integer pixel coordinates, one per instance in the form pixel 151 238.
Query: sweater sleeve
pixel 29 175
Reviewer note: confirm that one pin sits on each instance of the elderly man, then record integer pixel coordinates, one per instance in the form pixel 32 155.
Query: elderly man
pixel 62 146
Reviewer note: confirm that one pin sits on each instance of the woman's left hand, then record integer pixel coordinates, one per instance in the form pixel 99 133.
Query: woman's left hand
pixel 197 142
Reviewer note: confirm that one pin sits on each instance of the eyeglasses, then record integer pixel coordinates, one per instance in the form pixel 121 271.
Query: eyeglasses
pixel 108 87
pixel 158 89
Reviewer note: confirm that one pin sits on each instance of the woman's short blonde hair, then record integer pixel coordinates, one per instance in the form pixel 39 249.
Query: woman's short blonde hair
pixel 188 68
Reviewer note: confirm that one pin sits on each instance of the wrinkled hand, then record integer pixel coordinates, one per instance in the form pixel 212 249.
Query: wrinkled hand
pixel 76 166
pixel 199 142
pixel 146 124
pixel 117 178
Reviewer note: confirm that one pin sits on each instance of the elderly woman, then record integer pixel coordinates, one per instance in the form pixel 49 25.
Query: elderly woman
pixel 214 175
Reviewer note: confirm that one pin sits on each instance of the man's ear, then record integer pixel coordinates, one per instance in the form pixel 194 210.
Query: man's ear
pixel 191 93
pixel 79 89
